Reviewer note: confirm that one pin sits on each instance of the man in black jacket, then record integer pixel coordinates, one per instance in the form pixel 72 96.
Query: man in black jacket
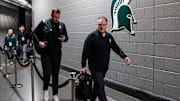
pixel 96 50
pixel 49 36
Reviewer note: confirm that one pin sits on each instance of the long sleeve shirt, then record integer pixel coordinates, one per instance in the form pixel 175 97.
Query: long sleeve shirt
pixel 97 51
pixel 49 32
pixel 10 41
pixel 22 38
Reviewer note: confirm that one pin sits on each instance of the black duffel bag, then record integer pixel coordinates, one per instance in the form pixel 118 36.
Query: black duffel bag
pixel 84 86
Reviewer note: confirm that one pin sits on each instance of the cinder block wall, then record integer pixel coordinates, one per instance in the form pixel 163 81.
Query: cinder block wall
pixel 154 49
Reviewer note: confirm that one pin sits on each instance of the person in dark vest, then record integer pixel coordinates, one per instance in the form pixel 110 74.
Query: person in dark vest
pixel 96 50
pixel 22 42
pixel 49 35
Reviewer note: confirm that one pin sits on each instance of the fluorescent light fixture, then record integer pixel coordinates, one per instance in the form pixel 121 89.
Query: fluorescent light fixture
pixel 21 3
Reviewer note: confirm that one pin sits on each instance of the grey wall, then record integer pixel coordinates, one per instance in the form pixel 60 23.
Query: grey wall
pixel 42 9
pixel 8 19
pixel 154 49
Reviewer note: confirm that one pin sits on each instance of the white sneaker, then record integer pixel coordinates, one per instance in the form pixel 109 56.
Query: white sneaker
pixel 11 63
pixel 56 98
pixel 46 95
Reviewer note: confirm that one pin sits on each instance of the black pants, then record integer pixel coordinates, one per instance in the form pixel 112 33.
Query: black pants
pixel 51 65
pixel 10 52
pixel 98 88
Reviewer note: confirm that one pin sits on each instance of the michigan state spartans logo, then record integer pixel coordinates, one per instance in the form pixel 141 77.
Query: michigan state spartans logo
pixel 122 17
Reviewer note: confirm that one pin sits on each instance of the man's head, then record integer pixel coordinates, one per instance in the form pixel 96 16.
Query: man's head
pixel 102 24
pixel 21 28
pixel 55 15
pixel 10 31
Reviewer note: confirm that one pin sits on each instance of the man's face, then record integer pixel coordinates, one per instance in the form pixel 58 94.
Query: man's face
pixel 10 31
pixel 55 17
pixel 102 25
pixel 21 28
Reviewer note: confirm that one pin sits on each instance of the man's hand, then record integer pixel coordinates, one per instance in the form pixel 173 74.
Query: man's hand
pixel 42 44
pixel 84 69
pixel 127 60
pixel 61 38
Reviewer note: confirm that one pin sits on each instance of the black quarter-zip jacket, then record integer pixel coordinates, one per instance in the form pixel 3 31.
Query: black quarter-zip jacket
pixel 97 51
pixel 50 35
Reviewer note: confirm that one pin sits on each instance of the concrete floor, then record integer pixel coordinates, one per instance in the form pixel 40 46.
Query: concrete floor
pixel 7 93
pixel 24 93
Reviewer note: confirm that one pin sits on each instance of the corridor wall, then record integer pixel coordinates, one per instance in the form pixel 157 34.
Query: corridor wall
pixel 154 49
pixel 8 18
